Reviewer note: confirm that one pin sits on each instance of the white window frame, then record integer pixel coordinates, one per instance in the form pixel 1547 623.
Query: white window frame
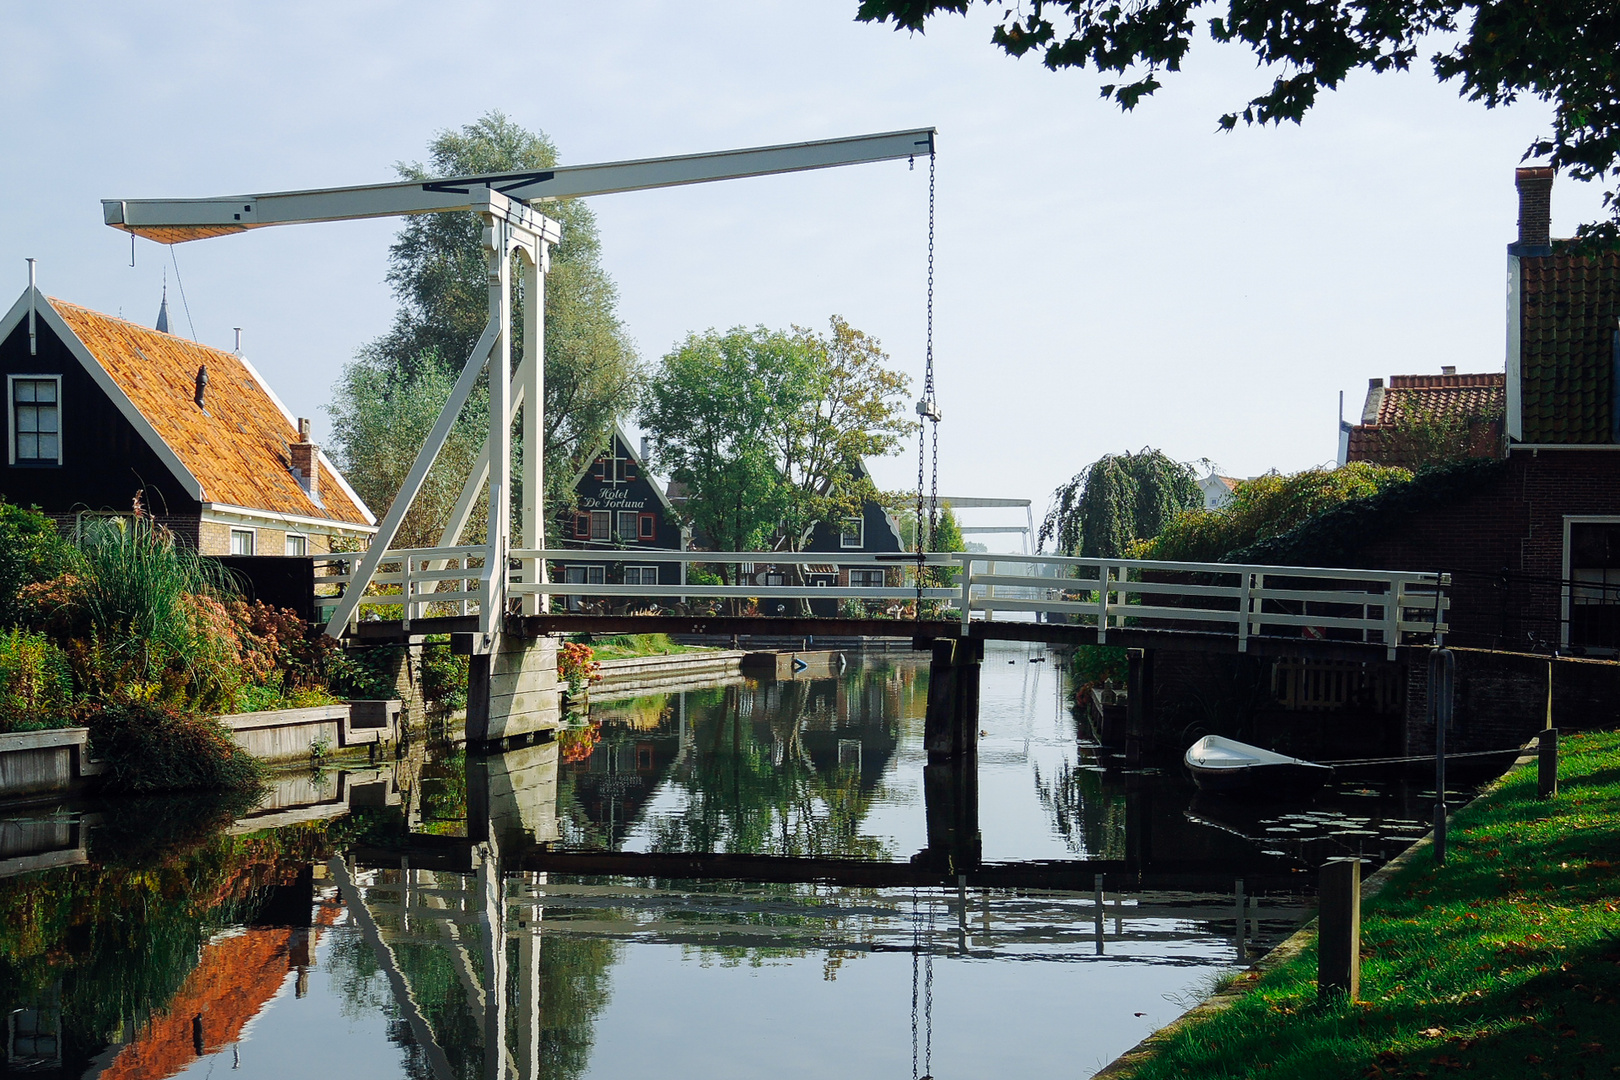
pixel 11 417
pixel 866 573
pixel 1565 600
pixel 298 539
pixel 252 541
pixel 641 574
pixel 634 517
pixel 607 533
pixel 860 532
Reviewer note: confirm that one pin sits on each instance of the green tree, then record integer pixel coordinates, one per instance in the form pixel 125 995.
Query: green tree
pixel 381 418
pixel 1567 54
pixel 855 414
pixel 947 536
pixel 767 429
pixel 438 271
pixel 1115 501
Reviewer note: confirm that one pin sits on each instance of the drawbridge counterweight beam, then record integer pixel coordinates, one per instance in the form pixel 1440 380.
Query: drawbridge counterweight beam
pixel 172 221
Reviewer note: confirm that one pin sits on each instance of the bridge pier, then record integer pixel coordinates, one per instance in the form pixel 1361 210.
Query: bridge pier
pixel 513 695
pixel 951 725
pixel 951 738
pixel 1138 704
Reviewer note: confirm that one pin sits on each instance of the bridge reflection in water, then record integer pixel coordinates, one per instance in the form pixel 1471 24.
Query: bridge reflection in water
pixel 662 889
pixel 762 819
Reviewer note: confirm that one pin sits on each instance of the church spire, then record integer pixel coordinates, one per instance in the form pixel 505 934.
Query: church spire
pixel 163 308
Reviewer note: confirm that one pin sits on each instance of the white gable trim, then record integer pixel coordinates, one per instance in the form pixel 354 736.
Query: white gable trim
pixel 630 449
pixel 48 314
pixel 226 514
pixel 292 422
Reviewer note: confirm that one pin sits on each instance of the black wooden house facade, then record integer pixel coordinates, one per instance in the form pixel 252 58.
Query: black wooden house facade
pixel 619 506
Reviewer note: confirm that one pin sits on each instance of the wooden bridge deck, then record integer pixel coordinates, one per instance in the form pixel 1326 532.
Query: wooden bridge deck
pixel 392 631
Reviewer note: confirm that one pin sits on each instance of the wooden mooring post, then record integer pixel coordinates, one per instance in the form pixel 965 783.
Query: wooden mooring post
pixel 1338 930
pixel 1547 763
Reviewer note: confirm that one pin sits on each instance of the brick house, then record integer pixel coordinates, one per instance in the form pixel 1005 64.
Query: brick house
pixel 102 414
pixel 1530 532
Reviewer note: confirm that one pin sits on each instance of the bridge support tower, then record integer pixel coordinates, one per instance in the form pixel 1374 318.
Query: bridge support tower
pixel 513 695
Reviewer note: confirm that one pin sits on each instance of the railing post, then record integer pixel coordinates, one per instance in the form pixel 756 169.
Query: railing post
pixel 1102 602
pixel 1244 600
pixel 405 590
pixel 1392 614
pixel 967 587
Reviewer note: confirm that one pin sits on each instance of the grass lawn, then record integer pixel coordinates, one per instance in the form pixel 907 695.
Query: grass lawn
pixel 1504 963
pixel 627 645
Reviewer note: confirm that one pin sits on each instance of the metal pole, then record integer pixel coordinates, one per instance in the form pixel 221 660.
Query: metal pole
pixel 1547 764
pixel 1442 680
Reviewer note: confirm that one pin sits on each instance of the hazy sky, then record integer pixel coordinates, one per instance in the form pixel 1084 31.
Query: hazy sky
pixel 1105 281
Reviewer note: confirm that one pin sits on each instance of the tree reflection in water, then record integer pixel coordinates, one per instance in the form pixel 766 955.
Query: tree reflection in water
pixel 775 767
pixel 1087 809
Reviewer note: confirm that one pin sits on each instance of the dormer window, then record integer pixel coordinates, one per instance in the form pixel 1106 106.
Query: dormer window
pixel 35 405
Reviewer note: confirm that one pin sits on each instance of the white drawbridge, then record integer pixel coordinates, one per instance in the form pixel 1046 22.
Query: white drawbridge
pixel 513 226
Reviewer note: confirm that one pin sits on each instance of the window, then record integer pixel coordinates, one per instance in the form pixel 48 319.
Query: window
pixel 582 526
pixel 297 545
pixel 851 532
pixel 866 579
pixel 641 575
pixel 610 468
pixel 241 541
pixel 627 525
pixel 649 525
pixel 775 577
pixel 36 420
pixel 602 525
pixel 1594 594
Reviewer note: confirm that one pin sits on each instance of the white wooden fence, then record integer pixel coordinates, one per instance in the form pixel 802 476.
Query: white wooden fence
pixel 1371 606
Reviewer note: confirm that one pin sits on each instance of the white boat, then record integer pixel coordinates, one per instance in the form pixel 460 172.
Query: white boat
pixel 1226 765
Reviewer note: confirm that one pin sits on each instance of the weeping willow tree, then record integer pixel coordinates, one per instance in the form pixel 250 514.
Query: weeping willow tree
pixel 1117 500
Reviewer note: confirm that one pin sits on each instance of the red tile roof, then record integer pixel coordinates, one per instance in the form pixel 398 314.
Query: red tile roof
pixel 237 448
pixel 1477 399
pixel 1570 304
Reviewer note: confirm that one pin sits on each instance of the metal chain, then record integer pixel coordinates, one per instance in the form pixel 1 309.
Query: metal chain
pixel 928 998
pixel 931 417
pixel 916 941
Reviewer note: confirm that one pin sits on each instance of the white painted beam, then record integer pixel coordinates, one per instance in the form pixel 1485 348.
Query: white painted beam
pixel 172 221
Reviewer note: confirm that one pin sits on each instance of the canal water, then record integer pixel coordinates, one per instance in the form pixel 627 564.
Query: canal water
pixel 390 922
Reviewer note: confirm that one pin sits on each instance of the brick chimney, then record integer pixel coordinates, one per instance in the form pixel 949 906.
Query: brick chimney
pixel 1535 212
pixel 305 458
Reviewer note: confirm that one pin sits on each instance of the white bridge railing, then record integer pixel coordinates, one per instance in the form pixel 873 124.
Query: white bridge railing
pixel 1371 606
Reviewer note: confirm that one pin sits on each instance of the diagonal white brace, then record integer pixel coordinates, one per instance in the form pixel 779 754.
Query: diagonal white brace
pixel 425 457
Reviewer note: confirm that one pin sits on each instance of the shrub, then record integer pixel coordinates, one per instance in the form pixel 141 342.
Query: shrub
pixel 576 663
pixel 444 675
pixel 150 747
pixel 36 682
pixel 1264 507
pixel 31 551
